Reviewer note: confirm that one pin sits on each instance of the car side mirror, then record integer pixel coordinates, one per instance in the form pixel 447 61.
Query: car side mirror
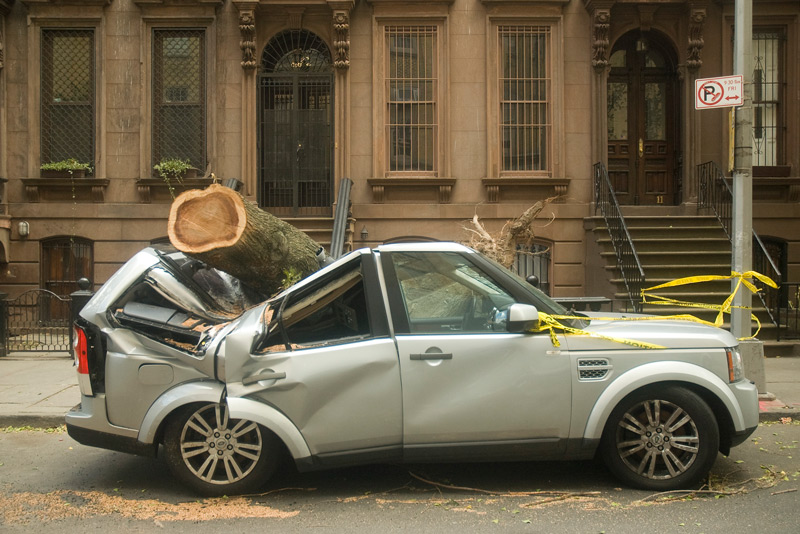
pixel 522 318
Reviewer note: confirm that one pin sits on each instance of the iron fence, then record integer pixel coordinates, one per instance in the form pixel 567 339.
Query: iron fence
pixel 789 311
pixel 37 321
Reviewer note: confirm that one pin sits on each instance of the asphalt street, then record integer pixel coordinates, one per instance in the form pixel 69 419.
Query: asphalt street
pixel 49 483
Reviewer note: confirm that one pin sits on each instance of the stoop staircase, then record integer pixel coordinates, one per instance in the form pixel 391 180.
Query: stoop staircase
pixel 675 245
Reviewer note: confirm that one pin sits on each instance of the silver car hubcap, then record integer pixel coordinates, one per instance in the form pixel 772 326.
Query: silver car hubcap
pixel 217 449
pixel 657 439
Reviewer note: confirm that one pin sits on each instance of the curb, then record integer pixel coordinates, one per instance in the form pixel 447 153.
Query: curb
pixel 32 420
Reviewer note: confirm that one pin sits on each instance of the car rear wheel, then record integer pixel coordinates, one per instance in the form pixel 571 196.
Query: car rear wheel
pixel 217 455
pixel 661 439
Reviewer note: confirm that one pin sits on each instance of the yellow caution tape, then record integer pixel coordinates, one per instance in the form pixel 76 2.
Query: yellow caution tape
pixel 552 323
pixel 743 279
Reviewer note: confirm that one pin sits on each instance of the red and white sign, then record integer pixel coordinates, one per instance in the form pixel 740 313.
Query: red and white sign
pixel 722 92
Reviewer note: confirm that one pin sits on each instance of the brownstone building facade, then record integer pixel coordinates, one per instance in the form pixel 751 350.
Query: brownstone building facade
pixel 436 109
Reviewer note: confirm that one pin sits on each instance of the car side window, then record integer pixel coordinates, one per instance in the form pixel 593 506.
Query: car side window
pixel 332 311
pixel 446 293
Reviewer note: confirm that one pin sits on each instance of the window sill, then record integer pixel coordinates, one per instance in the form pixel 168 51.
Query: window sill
pixel 495 187
pixel 443 186
pixel 157 189
pixel 60 189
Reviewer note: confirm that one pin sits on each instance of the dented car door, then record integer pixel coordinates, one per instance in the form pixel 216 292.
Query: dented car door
pixel 323 357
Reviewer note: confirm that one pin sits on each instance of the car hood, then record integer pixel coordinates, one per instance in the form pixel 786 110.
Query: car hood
pixel 626 330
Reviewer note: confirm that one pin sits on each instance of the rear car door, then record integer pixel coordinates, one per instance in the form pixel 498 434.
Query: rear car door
pixel 323 357
pixel 470 388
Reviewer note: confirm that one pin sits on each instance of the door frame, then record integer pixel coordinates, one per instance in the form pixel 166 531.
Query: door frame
pixel 633 173
pixel 317 71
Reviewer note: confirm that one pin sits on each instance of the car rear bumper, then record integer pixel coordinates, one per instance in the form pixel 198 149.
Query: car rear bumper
pixel 87 424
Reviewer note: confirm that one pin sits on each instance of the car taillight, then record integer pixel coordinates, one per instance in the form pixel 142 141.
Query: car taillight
pixel 80 349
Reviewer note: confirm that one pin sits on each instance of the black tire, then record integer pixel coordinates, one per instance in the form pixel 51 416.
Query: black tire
pixel 661 439
pixel 215 455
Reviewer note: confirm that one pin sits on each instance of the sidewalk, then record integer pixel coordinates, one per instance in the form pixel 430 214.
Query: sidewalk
pixel 38 389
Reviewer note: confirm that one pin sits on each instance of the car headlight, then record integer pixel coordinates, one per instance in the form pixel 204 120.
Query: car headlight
pixel 735 365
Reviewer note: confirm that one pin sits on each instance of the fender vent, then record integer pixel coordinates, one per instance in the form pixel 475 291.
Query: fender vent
pixel 593 369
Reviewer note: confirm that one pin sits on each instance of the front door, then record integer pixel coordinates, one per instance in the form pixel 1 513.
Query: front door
pixel 643 121
pixel 296 125
pixel 470 388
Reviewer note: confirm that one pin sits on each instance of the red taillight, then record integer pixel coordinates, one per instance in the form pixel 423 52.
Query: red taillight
pixel 80 348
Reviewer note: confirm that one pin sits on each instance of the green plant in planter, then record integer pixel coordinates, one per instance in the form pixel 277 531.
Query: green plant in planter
pixel 71 166
pixel 172 169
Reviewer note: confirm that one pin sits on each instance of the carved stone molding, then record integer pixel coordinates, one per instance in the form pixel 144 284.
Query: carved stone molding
pixel 697 18
pixel 38 189
pixel 601 23
pixel 296 17
pixel 247 30
pixel 247 27
pixel 548 186
pixel 341 39
pixel 443 186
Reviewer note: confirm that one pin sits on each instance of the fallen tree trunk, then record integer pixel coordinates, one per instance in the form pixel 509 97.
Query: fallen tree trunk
pixel 219 227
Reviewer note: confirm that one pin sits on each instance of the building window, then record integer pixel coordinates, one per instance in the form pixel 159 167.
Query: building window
pixel 65 260
pixel 179 96
pixel 67 95
pixel 412 99
pixel 767 84
pixel 534 260
pixel 524 96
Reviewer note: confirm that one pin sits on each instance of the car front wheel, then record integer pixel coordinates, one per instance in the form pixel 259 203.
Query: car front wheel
pixel 217 455
pixel 661 439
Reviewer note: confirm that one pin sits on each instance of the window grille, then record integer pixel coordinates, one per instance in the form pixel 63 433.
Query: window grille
pixel 179 96
pixel 67 95
pixel 65 260
pixel 524 97
pixel 412 68
pixel 534 260
pixel 767 79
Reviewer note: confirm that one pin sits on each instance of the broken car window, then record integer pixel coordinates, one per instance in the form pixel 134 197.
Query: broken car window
pixel 331 311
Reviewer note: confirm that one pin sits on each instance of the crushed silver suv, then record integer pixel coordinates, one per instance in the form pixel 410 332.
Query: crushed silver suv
pixel 414 352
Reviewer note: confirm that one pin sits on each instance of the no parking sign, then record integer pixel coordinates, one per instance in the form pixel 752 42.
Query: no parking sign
pixel 721 92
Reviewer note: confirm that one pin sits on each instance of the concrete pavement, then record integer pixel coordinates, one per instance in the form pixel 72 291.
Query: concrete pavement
pixel 38 389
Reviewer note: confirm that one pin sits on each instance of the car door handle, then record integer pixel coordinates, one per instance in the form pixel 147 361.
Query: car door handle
pixel 264 375
pixel 432 356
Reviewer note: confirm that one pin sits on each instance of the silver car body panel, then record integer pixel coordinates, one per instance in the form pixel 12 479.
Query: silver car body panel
pixel 457 390
pixel 665 371
pixel 204 391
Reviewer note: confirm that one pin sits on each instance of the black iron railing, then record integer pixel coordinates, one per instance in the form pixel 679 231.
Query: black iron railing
pixel 627 259
pixel 789 311
pixel 715 193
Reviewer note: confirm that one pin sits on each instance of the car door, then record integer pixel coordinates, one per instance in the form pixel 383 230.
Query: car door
pixel 470 388
pixel 325 360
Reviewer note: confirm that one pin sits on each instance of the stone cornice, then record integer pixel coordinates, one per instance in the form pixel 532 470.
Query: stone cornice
pixel 101 3
pixel 141 3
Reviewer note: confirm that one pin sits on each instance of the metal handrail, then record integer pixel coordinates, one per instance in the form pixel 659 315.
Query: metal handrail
pixel 627 259
pixel 340 218
pixel 715 193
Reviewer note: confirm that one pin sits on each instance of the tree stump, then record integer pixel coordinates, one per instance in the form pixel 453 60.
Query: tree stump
pixel 222 229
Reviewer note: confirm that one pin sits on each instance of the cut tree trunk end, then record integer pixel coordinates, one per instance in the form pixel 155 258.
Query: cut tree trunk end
pixel 219 227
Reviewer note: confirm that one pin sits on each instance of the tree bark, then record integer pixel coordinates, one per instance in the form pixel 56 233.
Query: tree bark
pixel 219 227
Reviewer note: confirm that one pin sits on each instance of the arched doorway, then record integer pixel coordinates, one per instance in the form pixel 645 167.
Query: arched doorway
pixel 296 125
pixel 643 120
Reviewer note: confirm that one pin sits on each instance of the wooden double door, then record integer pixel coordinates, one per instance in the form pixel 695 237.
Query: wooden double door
pixel 643 127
